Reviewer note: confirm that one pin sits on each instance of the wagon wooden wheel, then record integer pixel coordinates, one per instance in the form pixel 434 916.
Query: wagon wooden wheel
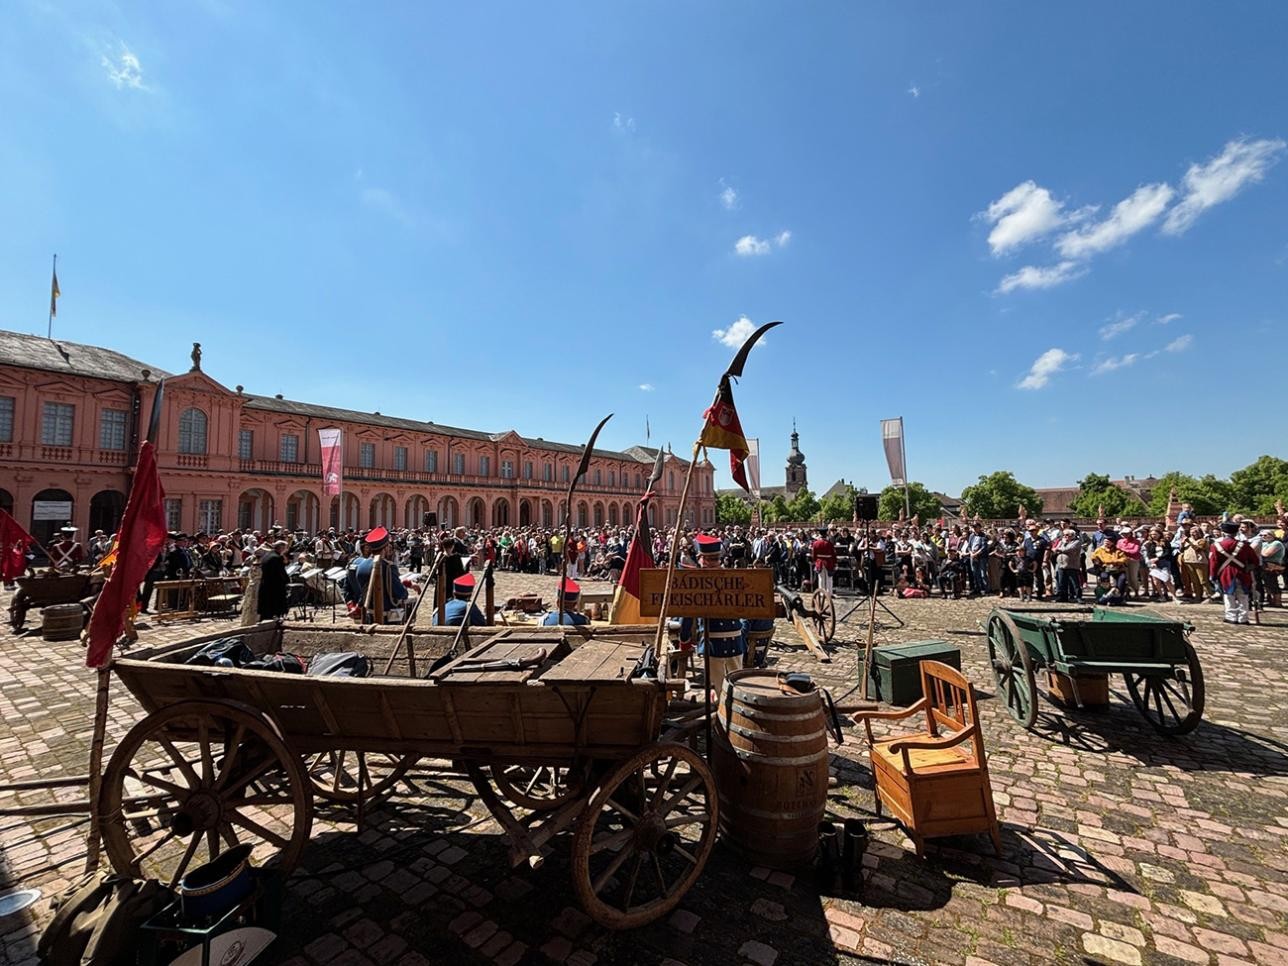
pixel 334 774
pixel 195 778
pixel 1172 704
pixel 1012 669
pixel 645 836
pixel 542 788
pixel 824 616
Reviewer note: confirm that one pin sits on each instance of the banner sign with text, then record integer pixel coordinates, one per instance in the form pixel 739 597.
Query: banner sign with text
pixel 892 440
pixel 332 453
pixel 709 592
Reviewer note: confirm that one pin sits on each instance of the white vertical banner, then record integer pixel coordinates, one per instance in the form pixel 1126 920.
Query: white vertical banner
pixel 753 467
pixel 892 440
pixel 331 442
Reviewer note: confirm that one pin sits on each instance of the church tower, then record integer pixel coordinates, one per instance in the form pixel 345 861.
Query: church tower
pixel 797 475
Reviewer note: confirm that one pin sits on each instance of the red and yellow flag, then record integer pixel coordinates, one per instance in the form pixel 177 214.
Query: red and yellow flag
pixel 14 541
pixel 723 430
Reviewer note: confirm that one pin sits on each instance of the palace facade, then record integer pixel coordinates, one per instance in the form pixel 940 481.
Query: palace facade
pixel 72 418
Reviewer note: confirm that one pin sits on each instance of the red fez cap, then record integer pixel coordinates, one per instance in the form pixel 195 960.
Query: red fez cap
pixel 463 586
pixel 571 590
pixel 377 538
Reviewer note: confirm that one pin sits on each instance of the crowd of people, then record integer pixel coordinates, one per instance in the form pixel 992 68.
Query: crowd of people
pixel 1234 559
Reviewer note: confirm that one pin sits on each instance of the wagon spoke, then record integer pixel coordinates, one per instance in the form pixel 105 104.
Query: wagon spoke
pixel 180 762
pixel 625 811
pixel 685 790
pixel 610 870
pixel 155 846
pixel 661 879
pixel 267 834
pixel 665 783
pixel 688 818
pixel 212 842
pixel 536 774
pixel 229 759
pixel 614 841
pixel 684 854
pixel 229 834
pixel 253 775
pixel 187 857
pixel 630 883
pixel 337 762
pixel 155 782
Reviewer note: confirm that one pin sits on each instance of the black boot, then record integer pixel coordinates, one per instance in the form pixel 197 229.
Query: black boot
pixel 854 842
pixel 828 866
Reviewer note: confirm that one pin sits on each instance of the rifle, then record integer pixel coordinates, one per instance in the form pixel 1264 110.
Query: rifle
pixel 465 622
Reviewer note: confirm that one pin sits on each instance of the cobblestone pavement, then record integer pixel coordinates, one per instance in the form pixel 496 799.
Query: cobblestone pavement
pixel 1119 845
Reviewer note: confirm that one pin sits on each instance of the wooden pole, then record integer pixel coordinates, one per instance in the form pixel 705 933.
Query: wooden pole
pixel 675 554
pixel 440 592
pixel 94 844
pixel 563 564
pixel 489 598
pixel 411 618
pixel 867 655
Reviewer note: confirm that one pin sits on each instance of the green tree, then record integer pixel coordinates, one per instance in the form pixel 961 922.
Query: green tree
pixel 731 508
pixel 1209 495
pixel 1095 492
pixel 803 508
pixel 839 506
pixel 999 496
pixel 925 505
pixel 775 510
pixel 1256 487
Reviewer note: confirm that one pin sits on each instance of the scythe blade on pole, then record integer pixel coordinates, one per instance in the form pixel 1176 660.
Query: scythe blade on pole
pixel 572 486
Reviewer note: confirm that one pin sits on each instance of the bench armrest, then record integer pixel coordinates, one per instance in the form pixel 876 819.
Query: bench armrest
pixel 867 717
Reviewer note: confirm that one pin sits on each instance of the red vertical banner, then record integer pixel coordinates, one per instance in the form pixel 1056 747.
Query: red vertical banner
pixel 332 460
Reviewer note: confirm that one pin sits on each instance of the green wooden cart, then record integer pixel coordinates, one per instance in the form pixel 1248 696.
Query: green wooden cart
pixel 1152 653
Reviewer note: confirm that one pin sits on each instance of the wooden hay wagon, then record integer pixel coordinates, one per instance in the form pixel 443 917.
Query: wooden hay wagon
pixel 554 727
pixel 1153 654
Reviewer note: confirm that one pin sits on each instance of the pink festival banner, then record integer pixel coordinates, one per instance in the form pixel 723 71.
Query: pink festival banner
pixel 892 440
pixel 332 454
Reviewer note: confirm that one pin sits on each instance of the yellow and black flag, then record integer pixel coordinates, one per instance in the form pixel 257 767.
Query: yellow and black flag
pixel 54 291
pixel 722 429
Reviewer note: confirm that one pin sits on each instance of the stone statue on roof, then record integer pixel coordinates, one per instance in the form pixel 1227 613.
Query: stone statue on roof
pixel 196 357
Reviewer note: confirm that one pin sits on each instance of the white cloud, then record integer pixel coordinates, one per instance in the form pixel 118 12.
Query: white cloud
pixel 124 70
pixel 623 123
pixel 1024 213
pixel 914 90
pixel 1179 344
pixel 1120 325
pixel 1239 164
pixel 1046 366
pixel 1114 362
pixel 751 245
pixel 1169 317
pixel 1034 276
pixel 728 196
pixel 1131 215
pixel 646 387
pixel 737 333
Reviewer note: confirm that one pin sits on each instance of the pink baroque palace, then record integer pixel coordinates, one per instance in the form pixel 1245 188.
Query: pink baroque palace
pixel 71 419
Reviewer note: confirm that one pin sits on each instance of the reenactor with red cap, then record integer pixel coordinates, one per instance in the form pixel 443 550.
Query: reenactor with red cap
pixel 724 635
pixel 358 579
pixel 459 610
pixel 570 594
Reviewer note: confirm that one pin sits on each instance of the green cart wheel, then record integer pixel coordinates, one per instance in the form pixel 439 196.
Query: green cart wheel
pixel 1012 669
pixel 1172 704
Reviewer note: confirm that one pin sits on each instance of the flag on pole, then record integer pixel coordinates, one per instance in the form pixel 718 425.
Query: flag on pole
pixel 54 292
pixel 753 467
pixel 626 596
pixel 14 543
pixel 331 442
pixel 723 430
pixel 140 538
pixel 892 439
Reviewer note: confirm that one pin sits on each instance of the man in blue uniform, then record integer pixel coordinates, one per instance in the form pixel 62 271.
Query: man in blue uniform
pixel 724 634
pixel 358 579
pixel 571 595
pixel 758 632
pixel 459 610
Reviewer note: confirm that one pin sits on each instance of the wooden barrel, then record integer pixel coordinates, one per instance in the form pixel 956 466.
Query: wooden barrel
pixel 770 761
pixel 62 622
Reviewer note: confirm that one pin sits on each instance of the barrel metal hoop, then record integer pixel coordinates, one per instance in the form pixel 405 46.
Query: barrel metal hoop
pixel 773 760
pixel 757 715
pixel 767 736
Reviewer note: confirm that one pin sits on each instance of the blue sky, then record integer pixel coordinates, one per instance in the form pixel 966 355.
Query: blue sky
pixel 1053 238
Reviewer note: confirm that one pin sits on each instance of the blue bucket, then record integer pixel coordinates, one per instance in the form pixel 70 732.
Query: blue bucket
pixel 212 889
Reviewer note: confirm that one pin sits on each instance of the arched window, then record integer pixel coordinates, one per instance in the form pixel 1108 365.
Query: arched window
pixel 192 432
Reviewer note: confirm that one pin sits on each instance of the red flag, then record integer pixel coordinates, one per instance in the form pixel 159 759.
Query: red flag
pixel 723 430
pixel 14 541
pixel 140 538
pixel 626 598
pixel 330 441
